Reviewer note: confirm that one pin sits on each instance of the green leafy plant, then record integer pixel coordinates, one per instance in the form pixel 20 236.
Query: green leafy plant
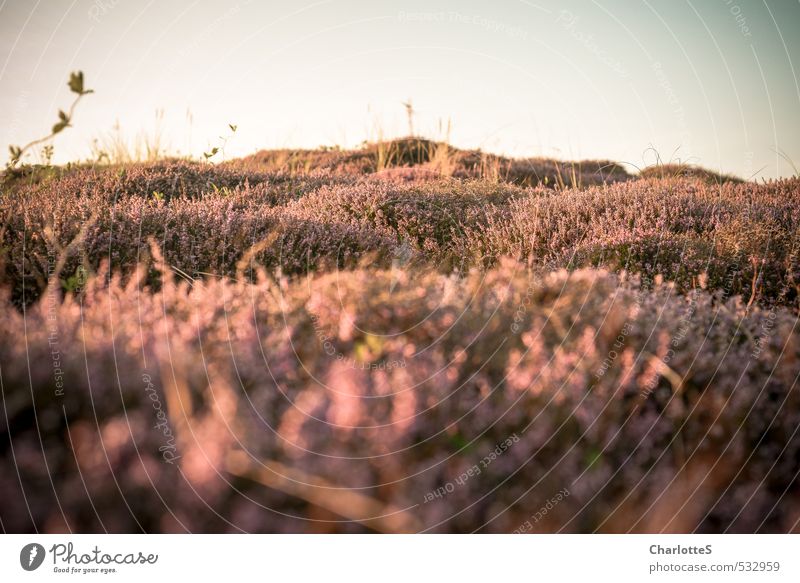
pixel 47 154
pixel 76 85
pixel 223 142
pixel 74 283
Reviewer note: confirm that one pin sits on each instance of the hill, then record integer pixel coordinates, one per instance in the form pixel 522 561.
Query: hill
pixel 398 338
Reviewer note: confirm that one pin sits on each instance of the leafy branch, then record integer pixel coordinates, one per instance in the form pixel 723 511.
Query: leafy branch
pixel 75 85
pixel 223 142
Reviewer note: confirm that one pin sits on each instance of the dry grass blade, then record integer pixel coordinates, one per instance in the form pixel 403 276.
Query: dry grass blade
pixel 346 503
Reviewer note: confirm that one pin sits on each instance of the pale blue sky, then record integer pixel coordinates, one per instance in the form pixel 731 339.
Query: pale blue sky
pixel 712 82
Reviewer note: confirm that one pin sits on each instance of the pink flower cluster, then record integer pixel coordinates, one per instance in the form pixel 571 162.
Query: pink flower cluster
pixel 692 425
pixel 247 347
pixel 742 238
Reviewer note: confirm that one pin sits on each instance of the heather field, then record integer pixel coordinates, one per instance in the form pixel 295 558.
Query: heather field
pixel 400 338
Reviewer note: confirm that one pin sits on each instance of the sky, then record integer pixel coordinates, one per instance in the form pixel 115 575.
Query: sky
pixel 710 82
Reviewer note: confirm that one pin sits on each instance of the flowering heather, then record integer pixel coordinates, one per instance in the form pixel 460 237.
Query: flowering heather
pixel 320 347
pixel 742 238
pixel 686 171
pixel 204 222
pixel 437 158
pixel 371 400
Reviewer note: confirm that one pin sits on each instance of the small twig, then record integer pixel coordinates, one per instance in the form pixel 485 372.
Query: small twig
pixel 76 86
pixel 349 504
pixel 668 373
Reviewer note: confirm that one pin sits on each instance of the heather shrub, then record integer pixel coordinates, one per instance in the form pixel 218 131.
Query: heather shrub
pixel 298 162
pixel 408 174
pixel 677 170
pixel 203 226
pixel 429 217
pixel 397 158
pixel 171 178
pixel 333 402
pixel 742 237
pixel 539 171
